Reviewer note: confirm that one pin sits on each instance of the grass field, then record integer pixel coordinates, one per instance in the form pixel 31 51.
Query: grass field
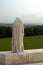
pixel 33 42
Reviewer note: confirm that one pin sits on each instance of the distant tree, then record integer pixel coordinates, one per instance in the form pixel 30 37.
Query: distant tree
pixel 8 32
pixel 1 32
pixel 5 31
pixel 33 31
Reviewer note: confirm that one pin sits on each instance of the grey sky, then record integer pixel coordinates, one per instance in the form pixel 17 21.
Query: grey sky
pixel 29 11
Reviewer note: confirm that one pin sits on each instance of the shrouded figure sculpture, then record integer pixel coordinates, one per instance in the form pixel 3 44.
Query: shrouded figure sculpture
pixel 17 36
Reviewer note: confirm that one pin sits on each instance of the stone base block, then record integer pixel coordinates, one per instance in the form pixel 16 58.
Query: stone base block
pixel 26 57
pixel 2 59
pixel 35 55
pixel 15 58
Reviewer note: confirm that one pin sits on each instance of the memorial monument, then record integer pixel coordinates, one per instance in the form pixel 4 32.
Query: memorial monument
pixel 17 36
pixel 19 56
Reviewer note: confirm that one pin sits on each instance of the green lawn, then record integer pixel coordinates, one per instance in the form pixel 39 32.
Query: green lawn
pixel 5 44
pixel 33 42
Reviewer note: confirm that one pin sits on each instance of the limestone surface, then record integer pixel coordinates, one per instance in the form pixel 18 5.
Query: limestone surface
pixel 17 36
pixel 26 57
pixel 40 63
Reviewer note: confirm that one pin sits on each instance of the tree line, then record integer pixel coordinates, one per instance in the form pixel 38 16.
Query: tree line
pixel 34 31
pixel 6 31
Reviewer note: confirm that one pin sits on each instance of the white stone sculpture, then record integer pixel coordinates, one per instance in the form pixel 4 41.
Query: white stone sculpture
pixel 17 36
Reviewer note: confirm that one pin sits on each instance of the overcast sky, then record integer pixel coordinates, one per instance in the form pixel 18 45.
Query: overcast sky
pixel 29 11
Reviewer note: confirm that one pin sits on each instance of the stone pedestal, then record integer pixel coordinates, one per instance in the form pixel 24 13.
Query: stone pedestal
pixel 2 59
pixel 26 57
